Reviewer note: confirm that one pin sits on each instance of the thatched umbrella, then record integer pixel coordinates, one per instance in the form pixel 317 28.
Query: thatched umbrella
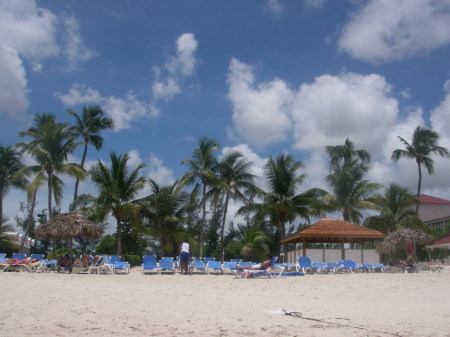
pixel 401 238
pixel 69 225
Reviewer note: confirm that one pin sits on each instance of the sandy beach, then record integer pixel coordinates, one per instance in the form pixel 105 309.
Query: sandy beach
pixel 220 305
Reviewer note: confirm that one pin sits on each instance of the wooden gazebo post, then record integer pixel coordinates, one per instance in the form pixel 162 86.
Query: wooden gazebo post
pixel 342 250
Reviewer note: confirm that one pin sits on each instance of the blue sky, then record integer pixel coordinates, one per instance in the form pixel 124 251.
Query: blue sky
pixel 264 77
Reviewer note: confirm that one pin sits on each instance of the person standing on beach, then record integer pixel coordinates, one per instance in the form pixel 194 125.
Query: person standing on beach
pixel 185 255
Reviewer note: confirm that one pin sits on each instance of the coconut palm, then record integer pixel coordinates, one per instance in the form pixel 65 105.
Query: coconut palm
pixel 396 211
pixel 10 165
pixel 88 127
pixel 282 203
pixel 117 187
pixel 202 166
pixel 351 194
pixel 165 209
pixel 341 155
pixel 424 144
pixel 50 147
pixel 233 182
pixel 254 247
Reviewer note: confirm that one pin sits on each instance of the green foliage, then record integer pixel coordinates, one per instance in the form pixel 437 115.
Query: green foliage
pixel 233 250
pixel 133 260
pixel 59 252
pixel 107 246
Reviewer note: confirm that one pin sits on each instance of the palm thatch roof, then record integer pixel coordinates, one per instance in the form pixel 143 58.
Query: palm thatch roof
pixel 68 225
pixel 333 230
pixel 401 238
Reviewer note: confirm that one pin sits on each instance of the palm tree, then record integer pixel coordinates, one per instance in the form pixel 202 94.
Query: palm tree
pixel 424 143
pixel 341 155
pixel 165 208
pixel 234 182
pixel 117 187
pixel 351 193
pixel 88 126
pixel 202 166
pixel 10 165
pixel 50 147
pixel 254 247
pixel 282 203
pixel 396 211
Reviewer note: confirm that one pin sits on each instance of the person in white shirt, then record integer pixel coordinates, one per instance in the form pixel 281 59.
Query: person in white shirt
pixel 185 255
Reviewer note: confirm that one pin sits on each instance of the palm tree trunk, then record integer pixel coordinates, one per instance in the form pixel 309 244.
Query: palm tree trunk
pixel 30 222
pixel 49 201
pixel 418 188
pixel 1 207
pixel 201 237
pixel 119 236
pixel 222 229
pixel 77 182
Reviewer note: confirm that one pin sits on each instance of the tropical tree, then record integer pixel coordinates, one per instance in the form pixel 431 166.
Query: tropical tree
pixel 233 182
pixel 351 194
pixel 10 165
pixel 254 247
pixel 165 209
pixel 50 147
pixel 202 167
pixel 396 211
pixel 117 186
pixel 88 127
pixel 424 144
pixel 282 203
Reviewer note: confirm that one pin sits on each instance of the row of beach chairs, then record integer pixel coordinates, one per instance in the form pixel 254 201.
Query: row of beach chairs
pixel 305 264
pixel 104 264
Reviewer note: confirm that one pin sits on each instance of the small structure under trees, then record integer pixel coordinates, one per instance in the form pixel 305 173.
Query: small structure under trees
pixel 334 231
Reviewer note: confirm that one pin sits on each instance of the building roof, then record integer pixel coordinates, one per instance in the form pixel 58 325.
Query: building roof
pixel 332 230
pixel 442 242
pixel 428 199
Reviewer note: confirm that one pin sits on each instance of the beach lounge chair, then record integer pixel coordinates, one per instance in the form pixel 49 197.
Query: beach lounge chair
pixel 304 264
pixel 166 264
pixel 149 264
pixel 121 267
pixel 199 266
pixel 19 256
pixel 348 266
pixel 214 266
pixel 207 259
pixel 230 266
pixel 115 258
pixel 38 257
pixel 2 257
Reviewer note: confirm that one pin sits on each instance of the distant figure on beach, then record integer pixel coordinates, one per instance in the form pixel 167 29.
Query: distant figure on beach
pixel 81 263
pixel 185 255
pixel 409 264
pixel 248 271
pixel 260 266
pixel 65 261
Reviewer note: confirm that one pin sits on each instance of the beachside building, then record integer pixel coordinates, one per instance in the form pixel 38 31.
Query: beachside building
pixel 18 238
pixel 435 212
pixel 328 241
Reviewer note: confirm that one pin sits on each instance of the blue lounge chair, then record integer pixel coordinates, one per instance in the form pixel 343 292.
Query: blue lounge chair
pixel 38 257
pixel 199 266
pixel 19 256
pixel 166 264
pixel 215 266
pixel 304 264
pixel 2 257
pixel 149 263
pixel 121 267
pixel 229 265
pixel 115 258
pixel 348 266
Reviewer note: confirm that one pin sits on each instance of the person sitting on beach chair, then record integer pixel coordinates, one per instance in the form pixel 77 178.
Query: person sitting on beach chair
pixel 248 271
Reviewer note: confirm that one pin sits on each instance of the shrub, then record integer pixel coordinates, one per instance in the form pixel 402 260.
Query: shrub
pixel 133 260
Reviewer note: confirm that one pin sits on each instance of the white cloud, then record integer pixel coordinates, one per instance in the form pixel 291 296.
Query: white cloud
pixel 274 6
pixel 182 65
pixel 167 90
pixel 385 30
pixel 80 94
pixel 260 112
pixel 158 172
pixel 124 111
pixel 317 4
pixel 13 84
pixel 75 50
pixel 31 34
pixel 440 116
pixel 333 108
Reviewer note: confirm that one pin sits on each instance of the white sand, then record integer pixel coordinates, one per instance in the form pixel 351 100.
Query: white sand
pixel 220 305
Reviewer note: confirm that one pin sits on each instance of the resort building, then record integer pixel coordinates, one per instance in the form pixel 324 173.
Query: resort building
pixel 435 212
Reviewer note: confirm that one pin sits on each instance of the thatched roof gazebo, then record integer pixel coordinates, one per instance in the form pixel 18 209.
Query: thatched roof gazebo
pixel 401 238
pixel 334 231
pixel 69 225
